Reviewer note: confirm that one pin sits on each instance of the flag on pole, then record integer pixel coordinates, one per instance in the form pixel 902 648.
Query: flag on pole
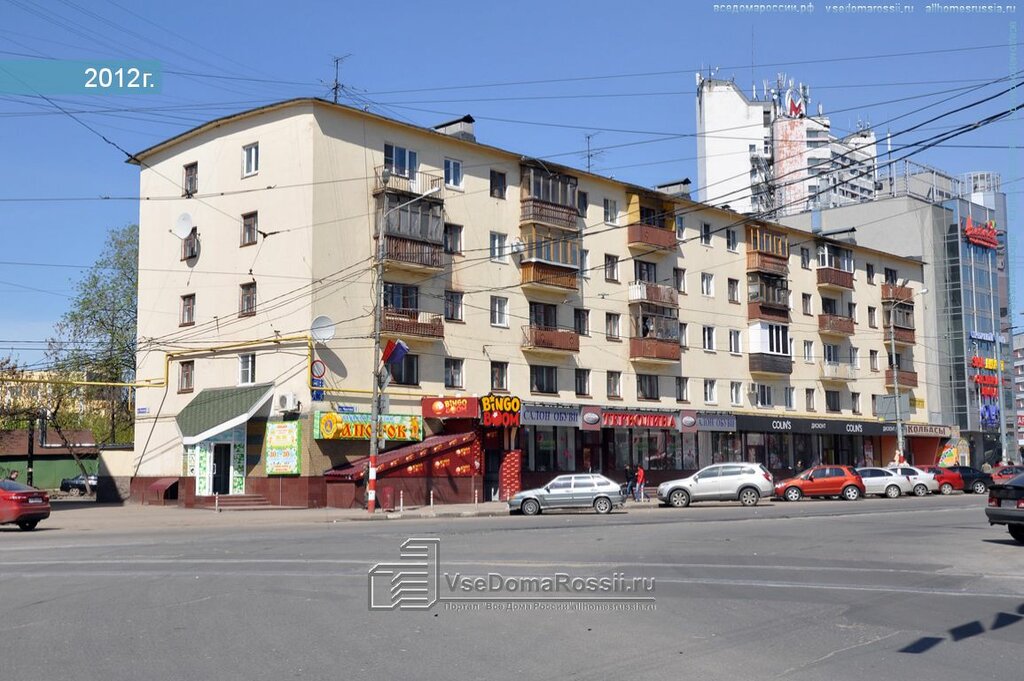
pixel 395 352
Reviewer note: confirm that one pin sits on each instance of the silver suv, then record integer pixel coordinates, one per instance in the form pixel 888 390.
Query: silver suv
pixel 745 482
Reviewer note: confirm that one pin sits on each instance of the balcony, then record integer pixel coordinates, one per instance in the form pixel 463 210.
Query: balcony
pixel 837 371
pixel 764 363
pixel 421 182
pixel 901 336
pixel 542 276
pixel 835 325
pixel 412 323
pixel 893 293
pixel 831 277
pixel 408 254
pixel 650 237
pixel 654 349
pixel 552 214
pixel 769 263
pixel 656 294
pixel 550 339
pixel 908 379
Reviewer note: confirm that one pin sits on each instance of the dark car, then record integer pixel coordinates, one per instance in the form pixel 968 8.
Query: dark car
pixel 76 485
pixel 1006 506
pixel 975 481
pixel 22 505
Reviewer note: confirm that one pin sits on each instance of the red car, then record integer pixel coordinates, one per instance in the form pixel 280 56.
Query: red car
pixel 822 481
pixel 1005 473
pixel 22 505
pixel 948 480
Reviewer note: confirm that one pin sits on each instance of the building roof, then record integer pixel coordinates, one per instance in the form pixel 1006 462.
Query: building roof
pixel 15 443
pixel 356 469
pixel 215 410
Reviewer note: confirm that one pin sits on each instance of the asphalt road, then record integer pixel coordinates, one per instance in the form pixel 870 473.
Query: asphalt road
pixel 893 589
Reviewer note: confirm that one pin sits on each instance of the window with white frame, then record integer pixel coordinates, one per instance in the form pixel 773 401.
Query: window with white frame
pixel 611 325
pixel 188 310
pixel 855 357
pixel 499 247
pixel 764 395
pixel 735 392
pixel 682 389
pixel 453 306
pixel 611 211
pixel 247 368
pixel 614 385
pixel 734 341
pixel 808 351
pixel 855 402
pixel 778 340
pixel 499 311
pixel 585 263
pixel 247 300
pixel 873 317
pixel 710 391
pixel 730 239
pixel 806 300
pixel 708 337
pixel 679 279
pixel 707 284
pixel 680 227
pixel 790 393
pixel 684 341
pixel 809 399
pixel 186 376
pixel 873 360
pixel 499 376
pixel 453 173
pixel 452 372
pixel 705 233
pixel 734 290
pixel 250 159
pixel 400 161
pixel 250 229
pixel 452 238
pixel 647 387
pixel 611 267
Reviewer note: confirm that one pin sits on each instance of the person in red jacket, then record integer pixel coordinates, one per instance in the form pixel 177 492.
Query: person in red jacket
pixel 641 479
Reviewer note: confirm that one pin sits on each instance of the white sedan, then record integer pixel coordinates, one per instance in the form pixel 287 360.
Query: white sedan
pixel 924 482
pixel 884 482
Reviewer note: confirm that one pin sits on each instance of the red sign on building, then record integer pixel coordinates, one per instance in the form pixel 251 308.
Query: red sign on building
pixel 630 419
pixel 450 407
pixel 500 411
pixel 981 233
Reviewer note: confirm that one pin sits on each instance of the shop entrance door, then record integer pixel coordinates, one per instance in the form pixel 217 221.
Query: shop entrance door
pixel 222 468
pixel 492 473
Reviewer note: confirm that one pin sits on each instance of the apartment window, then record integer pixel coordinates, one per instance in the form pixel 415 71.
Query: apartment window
pixel 730 239
pixel 499 311
pixel 808 351
pixel 734 341
pixel 790 393
pixel 680 227
pixel 583 382
pixel 400 161
pixel 873 360
pixel 499 185
pixel 452 372
pixel 735 393
pixel 832 401
pixel 851 311
pixel 809 399
pixel 247 300
pixel 186 375
pixel 582 203
pixel 188 310
pixel 401 296
pixel 611 267
pixel 499 247
pixel 611 325
pixel 831 353
pixel 190 245
pixel 891 276
pixel 452 239
pixel 581 321
pixel 250 229
pixel 778 340
pixel 734 290
pixel 191 184
pixel 453 306
pixel 614 387
pixel 805 258
pixel 679 279
pixel 707 284
pixel 250 159
pixel 499 375
pixel 684 341
pixel 873 317
pixel 543 379
pixel 406 372
pixel 453 173
pixel 870 271
pixel 682 389
pixel 708 337
pixel 705 234
pixel 611 211
pixel 855 399
pixel 544 315
pixel 805 299
pixel 246 368
pixel 647 387
pixel 585 263
pixel 855 357
pixel 710 391
pixel 764 395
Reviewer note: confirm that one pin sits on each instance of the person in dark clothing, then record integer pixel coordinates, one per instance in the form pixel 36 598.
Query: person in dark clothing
pixel 630 481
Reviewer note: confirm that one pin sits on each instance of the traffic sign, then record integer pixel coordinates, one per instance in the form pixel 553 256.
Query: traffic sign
pixel 317 395
pixel 317 369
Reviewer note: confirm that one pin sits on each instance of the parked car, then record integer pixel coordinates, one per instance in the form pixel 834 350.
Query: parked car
pixel 822 481
pixel 76 485
pixel 884 482
pixel 1006 506
pixel 22 505
pixel 583 490
pixel 743 482
pixel 975 481
pixel 923 482
pixel 948 480
pixel 1006 473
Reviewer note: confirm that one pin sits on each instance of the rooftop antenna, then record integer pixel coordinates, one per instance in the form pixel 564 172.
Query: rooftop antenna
pixel 592 154
pixel 336 85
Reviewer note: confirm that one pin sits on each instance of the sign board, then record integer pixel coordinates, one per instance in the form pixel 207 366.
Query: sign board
pixel 284 448
pixel 885 406
pixel 450 407
pixel 316 395
pixel 500 411
pixel 535 414
pixel 981 234
pixel 332 425
pixel 141 411
pixel 927 430
pixel 636 419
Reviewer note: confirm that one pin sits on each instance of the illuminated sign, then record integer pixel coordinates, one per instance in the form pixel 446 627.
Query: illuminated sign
pixel 630 419
pixel 500 411
pixel 450 407
pixel 794 104
pixel 331 425
pixel 985 363
pixel 981 234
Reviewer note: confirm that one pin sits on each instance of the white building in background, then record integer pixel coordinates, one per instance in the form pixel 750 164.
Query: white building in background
pixel 766 154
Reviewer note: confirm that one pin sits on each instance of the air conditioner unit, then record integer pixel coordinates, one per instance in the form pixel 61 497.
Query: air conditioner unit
pixel 287 402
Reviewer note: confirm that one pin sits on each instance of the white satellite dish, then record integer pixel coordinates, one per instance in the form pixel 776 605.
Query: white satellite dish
pixel 183 226
pixel 322 329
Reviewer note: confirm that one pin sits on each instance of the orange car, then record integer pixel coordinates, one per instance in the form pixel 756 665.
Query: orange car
pixel 822 481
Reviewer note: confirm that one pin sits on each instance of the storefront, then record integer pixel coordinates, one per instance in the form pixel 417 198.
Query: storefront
pixel 789 444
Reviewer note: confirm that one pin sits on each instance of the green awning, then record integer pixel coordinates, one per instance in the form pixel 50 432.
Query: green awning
pixel 216 410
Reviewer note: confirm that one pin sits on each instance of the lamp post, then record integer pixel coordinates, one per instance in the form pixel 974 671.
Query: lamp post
pixel 379 235
pixel 900 444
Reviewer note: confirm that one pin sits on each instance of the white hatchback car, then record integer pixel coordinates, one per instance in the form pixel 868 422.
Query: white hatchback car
pixel 884 482
pixel 924 482
pixel 745 482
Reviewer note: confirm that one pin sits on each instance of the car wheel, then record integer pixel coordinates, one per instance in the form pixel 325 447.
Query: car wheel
pixel 75 492
pixel 851 493
pixel 1017 532
pixel 679 498
pixel 892 491
pixel 792 494
pixel 979 487
pixel 749 496
pixel 946 488
pixel 603 505
pixel 530 507
pixel 28 525
pixel 920 490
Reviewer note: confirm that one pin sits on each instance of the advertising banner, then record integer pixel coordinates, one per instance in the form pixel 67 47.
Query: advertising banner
pixel 331 425
pixel 284 448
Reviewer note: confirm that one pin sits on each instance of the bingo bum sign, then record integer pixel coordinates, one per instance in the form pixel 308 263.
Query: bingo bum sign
pixel 500 411
pixel 450 407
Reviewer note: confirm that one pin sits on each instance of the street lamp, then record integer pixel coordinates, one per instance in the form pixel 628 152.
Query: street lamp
pixel 896 371
pixel 379 234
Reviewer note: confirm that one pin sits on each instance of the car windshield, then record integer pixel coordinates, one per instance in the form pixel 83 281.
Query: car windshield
pixel 12 486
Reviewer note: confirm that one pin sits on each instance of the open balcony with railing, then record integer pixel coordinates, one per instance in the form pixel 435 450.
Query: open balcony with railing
pixel 402 322
pixel 550 339
pixel 545 277
pixel 837 371
pixel 901 336
pixel 767 363
pixel 414 255
pixel 835 278
pixel 892 293
pixel 541 212
pixel 654 349
pixel 643 236
pixel 655 294
pixel 836 325
pixel 907 379
pixel 412 183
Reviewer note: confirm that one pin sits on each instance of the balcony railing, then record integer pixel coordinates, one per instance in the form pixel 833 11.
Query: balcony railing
pixel 418 184
pixel 657 294
pixel 908 379
pixel 549 338
pixel 894 293
pixel 406 322
pixel 654 349
pixel 418 254
pixel 556 215
pixel 772 296
pixel 837 371
pixel 835 278
pixel 767 312
pixel 759 261
pixel 903 336
pixel 641 235
pixel 832 323
pixel 539 274
pixel 764 363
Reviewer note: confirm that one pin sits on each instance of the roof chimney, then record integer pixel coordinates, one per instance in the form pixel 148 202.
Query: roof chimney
pixel 461 128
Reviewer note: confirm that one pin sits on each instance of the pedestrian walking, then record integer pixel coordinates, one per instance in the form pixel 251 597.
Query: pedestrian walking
pixel 986 467
pixel 641 478
pixel 630 481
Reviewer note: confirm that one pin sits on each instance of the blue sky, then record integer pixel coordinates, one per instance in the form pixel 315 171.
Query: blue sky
pixel 537 76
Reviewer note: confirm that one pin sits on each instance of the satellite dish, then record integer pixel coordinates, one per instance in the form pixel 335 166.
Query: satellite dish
pixel 183 226
pixel 322 329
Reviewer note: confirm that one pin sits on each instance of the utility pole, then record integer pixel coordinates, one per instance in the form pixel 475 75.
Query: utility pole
pixel 895 380
pixel 30 454
pixel 999 352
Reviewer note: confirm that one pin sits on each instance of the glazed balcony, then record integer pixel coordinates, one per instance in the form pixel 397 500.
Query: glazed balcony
pixel 769 263
pixel 837 371
pixel 835 325
pixel 542 276
pixel 656 294
pixel 406 322
pixel 764 363
pixel 834 278
pixel 550 339
pixel 545 213
pixel 654 349
pixel 409 254
pixel 908 379
pixel 891 293
pixel 771 296
pixel 420 183
pixel 647 237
